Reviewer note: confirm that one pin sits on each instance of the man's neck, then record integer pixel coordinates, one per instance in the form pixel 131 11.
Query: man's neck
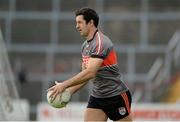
pixel 91 33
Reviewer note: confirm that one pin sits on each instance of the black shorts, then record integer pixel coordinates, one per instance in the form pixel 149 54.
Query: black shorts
pixel 116 107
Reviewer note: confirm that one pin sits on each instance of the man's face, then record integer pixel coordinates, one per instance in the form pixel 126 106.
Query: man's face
pixel 81 26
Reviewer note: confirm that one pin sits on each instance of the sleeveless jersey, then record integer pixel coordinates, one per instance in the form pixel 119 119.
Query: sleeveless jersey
pixel 108 81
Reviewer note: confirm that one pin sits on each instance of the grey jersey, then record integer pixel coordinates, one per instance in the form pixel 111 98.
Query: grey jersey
pixel 107 82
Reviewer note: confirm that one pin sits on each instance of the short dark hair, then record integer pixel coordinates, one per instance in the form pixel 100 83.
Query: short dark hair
pixel 88 14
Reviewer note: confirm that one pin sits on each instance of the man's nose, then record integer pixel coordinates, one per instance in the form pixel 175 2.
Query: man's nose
pixel 77 26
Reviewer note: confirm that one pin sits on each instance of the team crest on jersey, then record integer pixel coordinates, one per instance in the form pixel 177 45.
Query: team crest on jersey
pixel 122 110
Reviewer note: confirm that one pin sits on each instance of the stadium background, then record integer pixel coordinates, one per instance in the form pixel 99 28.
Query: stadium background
pixel 43 45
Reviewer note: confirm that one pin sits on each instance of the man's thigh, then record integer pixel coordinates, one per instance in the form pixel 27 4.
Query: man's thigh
pixel 93 114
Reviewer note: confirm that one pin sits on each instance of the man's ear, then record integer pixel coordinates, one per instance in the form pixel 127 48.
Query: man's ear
pixel 91 22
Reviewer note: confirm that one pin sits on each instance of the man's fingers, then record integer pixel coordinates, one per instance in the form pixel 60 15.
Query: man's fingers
pixel 56 82
pixel 54 95
pixel 55 91
pixel 51 95
pixel 50 89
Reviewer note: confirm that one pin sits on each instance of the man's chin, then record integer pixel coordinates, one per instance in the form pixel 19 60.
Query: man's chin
pixel 82 34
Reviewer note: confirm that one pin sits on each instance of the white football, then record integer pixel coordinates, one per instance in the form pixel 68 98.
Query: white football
pixel 60 101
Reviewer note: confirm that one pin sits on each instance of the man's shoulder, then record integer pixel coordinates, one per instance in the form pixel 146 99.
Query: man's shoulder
pixel 105 38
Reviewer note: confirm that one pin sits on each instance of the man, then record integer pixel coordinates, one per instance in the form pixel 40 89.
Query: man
pixel 110 97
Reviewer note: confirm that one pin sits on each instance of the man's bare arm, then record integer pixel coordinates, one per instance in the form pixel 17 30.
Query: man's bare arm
pixel 85 75
pixel 75 88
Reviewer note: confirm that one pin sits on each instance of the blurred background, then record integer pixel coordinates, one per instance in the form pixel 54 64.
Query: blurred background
pixel 43 45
